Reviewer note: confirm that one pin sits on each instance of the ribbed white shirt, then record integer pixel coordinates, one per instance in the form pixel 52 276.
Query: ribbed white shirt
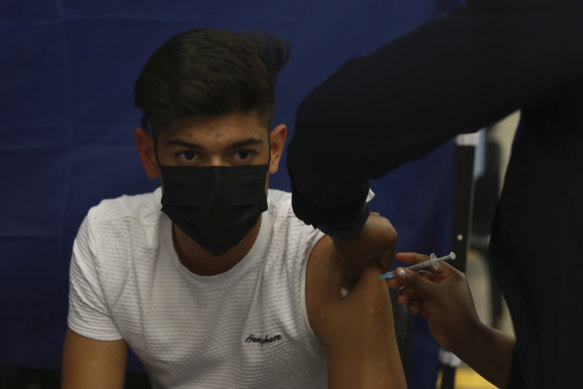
pixel 245 328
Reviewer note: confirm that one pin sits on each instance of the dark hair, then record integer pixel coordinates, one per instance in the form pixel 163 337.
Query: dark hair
pixel 206 72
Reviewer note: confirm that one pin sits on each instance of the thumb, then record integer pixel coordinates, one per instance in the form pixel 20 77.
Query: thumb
pixel 414 281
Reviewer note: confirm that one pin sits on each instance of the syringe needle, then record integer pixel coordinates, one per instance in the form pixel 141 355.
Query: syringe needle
pixel 432 261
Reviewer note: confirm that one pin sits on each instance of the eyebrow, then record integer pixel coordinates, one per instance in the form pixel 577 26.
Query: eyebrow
pixel 178 142
pixel 246 142
pixel 243 143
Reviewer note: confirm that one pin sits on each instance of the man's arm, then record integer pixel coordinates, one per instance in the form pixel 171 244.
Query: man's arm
pixel 456 73
pixel 357 331
pixel 93 364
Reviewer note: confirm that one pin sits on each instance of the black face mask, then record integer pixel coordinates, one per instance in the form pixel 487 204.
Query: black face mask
pixel 216 206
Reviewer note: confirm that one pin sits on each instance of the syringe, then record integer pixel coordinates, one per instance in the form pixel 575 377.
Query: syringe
pixel 432 261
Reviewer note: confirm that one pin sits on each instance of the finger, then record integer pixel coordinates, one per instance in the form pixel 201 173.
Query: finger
pixel 429 275
pixel 413 307
pixel 421 286
pixel 402 299
pixel 407 295
pixel 395 283
pixel 411 258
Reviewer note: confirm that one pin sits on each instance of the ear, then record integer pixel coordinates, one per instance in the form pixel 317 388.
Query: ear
pixel 147 152
pixel 277 140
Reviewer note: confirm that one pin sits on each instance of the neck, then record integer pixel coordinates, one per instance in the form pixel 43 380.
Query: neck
pixel 201 262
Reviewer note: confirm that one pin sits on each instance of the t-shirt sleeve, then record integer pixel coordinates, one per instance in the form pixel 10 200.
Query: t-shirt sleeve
pixel 89 315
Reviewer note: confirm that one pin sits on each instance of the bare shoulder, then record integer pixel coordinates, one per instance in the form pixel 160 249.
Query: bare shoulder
pixel 365 315
pixel 325 271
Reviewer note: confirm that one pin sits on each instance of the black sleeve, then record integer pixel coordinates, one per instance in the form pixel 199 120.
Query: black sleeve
pixel 516 378
pixel 455 74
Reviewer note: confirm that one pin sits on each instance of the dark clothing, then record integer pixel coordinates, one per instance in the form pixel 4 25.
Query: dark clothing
pixel 457 74
pixel 516 378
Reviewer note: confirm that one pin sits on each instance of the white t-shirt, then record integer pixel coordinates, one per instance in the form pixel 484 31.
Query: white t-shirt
pixel 245 328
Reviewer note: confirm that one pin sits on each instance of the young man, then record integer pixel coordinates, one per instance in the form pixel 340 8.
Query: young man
pixel 211 279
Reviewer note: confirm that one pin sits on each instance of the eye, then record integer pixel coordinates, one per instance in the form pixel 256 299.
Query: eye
pixel 242 154
pixel 188 155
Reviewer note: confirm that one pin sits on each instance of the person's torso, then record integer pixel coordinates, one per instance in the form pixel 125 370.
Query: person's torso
pixel 245 328
pixel 537 240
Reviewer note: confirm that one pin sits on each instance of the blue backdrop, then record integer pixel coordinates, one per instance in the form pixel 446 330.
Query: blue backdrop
pixel 67 71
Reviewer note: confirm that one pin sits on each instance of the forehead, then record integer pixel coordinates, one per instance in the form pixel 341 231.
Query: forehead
pixel 216 130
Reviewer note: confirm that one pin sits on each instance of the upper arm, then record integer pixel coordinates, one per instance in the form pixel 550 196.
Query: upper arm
pixel 93 364
pixel 324 273
pixel 357 331
pixel 89 310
